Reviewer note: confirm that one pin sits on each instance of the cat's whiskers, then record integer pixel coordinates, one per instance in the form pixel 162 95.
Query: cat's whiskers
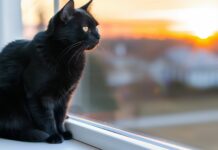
pixel 78 55
pixel 100 47
pixel 67 50
pixel 78 52
pixel 72 56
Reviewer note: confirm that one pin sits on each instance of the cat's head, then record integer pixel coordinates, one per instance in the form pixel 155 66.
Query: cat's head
pixel 71 26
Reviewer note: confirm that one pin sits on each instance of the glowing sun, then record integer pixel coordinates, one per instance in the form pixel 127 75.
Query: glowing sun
pixel 199 21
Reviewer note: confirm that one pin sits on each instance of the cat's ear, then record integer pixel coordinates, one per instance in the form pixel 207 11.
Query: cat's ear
pixel 86 6
pixel 67 12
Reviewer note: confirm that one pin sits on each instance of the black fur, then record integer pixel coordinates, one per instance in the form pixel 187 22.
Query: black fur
pixel 37 77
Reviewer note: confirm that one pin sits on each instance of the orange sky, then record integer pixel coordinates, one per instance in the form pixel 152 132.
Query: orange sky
pixel 142 18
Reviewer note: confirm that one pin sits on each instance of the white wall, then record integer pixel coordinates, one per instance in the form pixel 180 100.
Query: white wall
pixel 10 21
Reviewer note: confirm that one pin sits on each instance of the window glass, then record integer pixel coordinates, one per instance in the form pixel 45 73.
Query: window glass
pixel 35 15
pixel 155 71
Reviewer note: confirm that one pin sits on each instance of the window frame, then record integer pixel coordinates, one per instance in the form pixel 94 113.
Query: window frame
pixel 109 138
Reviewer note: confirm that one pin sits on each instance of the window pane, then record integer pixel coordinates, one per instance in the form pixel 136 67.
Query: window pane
pixel 35 15
pixel 155 71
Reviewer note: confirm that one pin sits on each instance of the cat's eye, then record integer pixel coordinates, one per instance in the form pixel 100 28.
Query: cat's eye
pixel 85 29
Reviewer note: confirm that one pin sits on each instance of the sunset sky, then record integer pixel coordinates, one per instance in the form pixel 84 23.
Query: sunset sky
pixel 142 18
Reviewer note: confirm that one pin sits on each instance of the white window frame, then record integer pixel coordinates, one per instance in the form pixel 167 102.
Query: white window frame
pixel 10 29
pixel 109 138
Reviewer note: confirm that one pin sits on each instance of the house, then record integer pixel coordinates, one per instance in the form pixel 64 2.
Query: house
pixel 195 68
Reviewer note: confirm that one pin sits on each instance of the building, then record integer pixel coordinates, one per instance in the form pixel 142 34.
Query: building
pixel 198 69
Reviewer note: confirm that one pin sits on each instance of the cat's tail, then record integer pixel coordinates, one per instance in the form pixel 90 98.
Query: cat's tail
pixel 28 135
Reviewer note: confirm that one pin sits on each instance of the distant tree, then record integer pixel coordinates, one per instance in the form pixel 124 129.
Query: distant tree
pixel 100 95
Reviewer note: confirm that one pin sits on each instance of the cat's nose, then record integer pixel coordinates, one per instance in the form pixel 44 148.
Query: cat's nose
pixel 97 36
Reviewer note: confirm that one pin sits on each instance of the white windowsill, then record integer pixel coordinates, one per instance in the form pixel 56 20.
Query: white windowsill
pixel 109 138
pixel 67 145
pixel 93 136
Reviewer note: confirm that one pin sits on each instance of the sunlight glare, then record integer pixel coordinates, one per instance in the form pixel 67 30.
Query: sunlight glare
pixel 200 21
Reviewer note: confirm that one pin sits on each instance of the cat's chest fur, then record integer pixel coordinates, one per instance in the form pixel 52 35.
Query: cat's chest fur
pixel 67 81
pixel 45 78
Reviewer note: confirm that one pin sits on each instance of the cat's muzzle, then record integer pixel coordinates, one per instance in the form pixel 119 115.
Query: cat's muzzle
pixel 92 45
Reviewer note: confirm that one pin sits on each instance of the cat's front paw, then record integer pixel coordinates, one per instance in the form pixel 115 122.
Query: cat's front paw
pixel 67 135
pixel 55 139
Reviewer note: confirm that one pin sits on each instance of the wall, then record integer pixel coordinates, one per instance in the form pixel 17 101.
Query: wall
pixel 10 21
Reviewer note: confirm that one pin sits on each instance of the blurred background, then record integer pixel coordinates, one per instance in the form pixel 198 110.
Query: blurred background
pixel 155 72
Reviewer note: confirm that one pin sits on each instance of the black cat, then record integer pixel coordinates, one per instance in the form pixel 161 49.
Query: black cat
pixel 37 77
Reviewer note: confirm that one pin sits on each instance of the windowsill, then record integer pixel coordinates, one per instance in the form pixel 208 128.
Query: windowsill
pixel 67 145
pixel 109 138
pixel 96 135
